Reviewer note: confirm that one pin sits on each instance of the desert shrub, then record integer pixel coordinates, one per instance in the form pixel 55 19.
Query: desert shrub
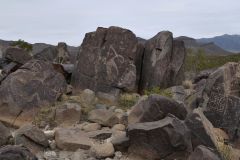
pixel 225 151
pixel 22 44
pixel 158 90
pixel 197 61
pixel 128 100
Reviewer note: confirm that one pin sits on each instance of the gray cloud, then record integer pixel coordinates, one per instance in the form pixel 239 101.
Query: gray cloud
pixel 52 21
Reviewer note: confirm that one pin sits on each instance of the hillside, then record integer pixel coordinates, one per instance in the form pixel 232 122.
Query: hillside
pixel 209 48
pixel 228 42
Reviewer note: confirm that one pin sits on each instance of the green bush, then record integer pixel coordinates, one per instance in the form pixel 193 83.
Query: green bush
pixel 127 100
pixel 158 90
pixel 22 44
pixel 197 61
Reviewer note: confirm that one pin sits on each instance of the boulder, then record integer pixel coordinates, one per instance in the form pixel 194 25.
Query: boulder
pixel 100 134
pixel 107 61
pixel 155 108
pixel 31 137
pixel 91 127
pixel 68 114
pixel 5 134
pixel 119 140
pixel 202 130
pixel 162 62
pixel 104 117
pixel 203 153
pixel 221 99
pixel 17 55
pixel 71 139
pixel 159 139
pixel 33 85
pixel 16 153
pixel 102 150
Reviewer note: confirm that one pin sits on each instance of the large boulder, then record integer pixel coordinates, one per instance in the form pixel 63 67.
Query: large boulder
pixel 5 134
pixel 204 153
pixel 33 85
pixel 159 139
pixel 155 108
pixel 221 99
pixel 16 153
pixel 163 61
pixel 202 130
pixel 107 61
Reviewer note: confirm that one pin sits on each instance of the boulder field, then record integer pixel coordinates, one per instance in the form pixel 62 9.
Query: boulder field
pixel 118 98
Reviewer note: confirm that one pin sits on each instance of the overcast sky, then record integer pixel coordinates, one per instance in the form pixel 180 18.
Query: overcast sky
pixel 51 21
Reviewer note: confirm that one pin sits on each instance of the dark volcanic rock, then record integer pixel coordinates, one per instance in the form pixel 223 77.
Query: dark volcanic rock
pixel 159 139
pixel 155 108
pixel 33 85
pixel 107 61
pixel 17 55
pixel 201 129
pixel 16 153
pixel 221 99
pixel 203 153
pixel 163 61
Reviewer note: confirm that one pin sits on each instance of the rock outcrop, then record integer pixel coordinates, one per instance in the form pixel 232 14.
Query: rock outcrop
pixel 5 134
pixel 17 55
pixel 33 85
pixel 203 153
pixel 155 108
pixel 221 99
pixel 162 62
pixel 107 61
pixel 159 139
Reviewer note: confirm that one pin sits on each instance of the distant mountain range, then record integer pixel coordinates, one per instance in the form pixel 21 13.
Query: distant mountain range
pixel 230 43
pixel 210 48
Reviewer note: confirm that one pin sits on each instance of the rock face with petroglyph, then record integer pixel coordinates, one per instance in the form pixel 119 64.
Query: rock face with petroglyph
pixel 221 98
pixel 163 61
pixel 33 85
pixel 106 61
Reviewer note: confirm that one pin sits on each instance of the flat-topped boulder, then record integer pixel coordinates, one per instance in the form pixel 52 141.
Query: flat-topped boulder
pixel 155 108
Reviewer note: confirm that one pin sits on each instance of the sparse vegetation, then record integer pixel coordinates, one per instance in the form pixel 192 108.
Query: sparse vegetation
pixel 128 100
pixel 187 84
pixel 198 60
pixel 22 44
pixel 158 90
pixel 225 151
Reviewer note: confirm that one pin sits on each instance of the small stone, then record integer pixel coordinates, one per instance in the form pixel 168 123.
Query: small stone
pixel 118 155
pixel 102 150
pixel 118 110
pixel 49 134
pixel 119 127
pixel 50 154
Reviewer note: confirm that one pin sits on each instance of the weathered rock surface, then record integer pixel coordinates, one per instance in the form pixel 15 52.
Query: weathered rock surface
pixel 71 139
pixel 201 129
pixel 203 153
pixel 5 134
pixel 31 137
pixel 107 61
pixel 33 85
pixel 16 153
pixel 155 108
pixel 163 61
pixel 17 55
pixel 104 117
pixel 221 99
pixel 159 139
pixel 68 114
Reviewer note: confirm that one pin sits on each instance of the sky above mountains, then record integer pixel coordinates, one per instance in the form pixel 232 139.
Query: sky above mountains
pixel 51 21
